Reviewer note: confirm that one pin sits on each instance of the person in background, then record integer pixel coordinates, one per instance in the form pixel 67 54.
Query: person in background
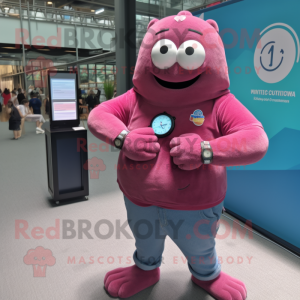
pixel 115 93
pixel 15 90
pixel 47 106
pixel 79 94
pixel 14 98
pixel 38 91
pixel 1 100
pixel 30 89
pixel 35 103
pixel 14 120
pixel 6 96
pixel 21 95
pixel 29 117
pixel 90 100
pixel 98 95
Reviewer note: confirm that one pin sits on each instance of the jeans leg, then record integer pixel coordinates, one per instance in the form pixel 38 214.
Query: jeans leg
pixel 149 235
pixel 196 239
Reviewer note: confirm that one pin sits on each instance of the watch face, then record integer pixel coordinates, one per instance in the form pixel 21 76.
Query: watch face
pixel 206 153
pixel 163 125
pixel 117 143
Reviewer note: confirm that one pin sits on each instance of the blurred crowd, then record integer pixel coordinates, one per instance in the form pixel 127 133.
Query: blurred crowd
pixel 18 106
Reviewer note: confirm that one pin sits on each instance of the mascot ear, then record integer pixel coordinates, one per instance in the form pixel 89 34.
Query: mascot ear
pixel 213 24
pixel 152 22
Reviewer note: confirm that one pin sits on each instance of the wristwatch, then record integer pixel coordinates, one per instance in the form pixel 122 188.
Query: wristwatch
pixel 206 152
pixel 119 140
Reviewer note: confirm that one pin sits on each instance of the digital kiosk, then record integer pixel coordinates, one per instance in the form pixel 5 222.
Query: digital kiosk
pixel 67 177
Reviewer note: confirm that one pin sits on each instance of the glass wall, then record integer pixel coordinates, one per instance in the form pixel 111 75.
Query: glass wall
pixel 93 76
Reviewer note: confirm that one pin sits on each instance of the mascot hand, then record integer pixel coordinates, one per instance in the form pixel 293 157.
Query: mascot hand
pixel 141 144
pixel 186 151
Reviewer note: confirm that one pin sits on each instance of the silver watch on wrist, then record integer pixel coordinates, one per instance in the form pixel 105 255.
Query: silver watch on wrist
pixel 206 152
pixel 119 140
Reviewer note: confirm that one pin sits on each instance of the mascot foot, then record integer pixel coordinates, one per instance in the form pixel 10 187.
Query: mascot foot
pixel 126 282
pixel 224 287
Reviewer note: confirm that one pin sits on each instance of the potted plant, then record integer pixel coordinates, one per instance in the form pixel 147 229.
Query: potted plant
pixel 108 89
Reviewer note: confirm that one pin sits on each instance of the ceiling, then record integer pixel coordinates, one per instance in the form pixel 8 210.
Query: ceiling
pixel 83 4
pixel 142 8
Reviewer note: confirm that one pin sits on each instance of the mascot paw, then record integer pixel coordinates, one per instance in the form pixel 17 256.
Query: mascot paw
pixel 141 144
pixel 186 151
pixel 224 287
pixel 126 282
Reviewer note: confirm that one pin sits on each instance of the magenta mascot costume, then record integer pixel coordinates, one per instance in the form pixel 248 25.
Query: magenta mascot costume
pixel 178 129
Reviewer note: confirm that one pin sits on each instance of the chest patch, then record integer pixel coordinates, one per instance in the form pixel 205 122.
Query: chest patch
pixel 197 117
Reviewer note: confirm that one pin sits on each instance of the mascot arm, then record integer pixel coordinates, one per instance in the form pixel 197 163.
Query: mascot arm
pixel 108 119
pixel 243 140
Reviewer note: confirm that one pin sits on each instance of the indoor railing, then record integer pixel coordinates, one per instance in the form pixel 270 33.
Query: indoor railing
pixel 57 15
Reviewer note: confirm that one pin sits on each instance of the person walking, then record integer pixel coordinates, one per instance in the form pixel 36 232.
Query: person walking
pixel 14 120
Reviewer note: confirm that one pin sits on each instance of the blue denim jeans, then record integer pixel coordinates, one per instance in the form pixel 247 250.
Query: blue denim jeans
pixel 193 231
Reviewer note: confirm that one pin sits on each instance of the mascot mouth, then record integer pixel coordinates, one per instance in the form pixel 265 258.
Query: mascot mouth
pixel 176 85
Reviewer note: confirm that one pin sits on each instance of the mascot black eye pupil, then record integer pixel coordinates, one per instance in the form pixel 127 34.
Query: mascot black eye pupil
pixel 164 49
pixel 189 50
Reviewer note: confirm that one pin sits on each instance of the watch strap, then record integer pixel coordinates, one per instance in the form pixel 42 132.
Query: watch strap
pixel 121 137
pixel 205 145
pixel 123 134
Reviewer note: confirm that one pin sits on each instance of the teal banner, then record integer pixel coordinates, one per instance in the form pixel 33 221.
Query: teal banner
pixel 261 40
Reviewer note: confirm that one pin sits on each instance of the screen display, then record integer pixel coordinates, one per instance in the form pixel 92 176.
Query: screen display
pixel 63 97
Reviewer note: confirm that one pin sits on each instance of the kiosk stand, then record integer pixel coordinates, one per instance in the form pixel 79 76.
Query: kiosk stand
pixel 67 177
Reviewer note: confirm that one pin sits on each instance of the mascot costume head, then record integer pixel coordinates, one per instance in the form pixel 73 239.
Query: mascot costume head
pixel 181 58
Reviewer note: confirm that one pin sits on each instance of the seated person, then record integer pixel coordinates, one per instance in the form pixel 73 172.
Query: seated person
pixel 35 103
pixel 30 117
pixel 91 100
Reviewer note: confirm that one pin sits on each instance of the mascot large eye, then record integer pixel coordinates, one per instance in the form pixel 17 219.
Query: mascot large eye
pixel 164 54
pixel 191 55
